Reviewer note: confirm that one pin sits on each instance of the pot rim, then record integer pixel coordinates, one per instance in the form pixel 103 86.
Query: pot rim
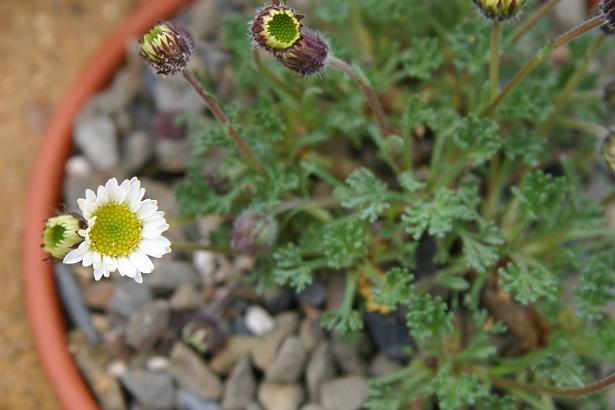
pixel 45 315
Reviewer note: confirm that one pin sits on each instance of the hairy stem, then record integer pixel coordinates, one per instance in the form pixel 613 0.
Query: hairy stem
pixel 215 109
pixel 539 57
pixel 367 89
pixel 571 86
pixel 272 77
pixel 558 392
pixel 584 126
pixel 535 19
pixel 494 68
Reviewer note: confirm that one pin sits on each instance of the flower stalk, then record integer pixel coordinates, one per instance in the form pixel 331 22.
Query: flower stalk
pixel 542 11
pixel 576 392
pixel 212 105
pixel 540 57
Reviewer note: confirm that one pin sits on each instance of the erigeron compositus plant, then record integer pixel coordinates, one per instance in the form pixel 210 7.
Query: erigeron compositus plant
pixel 60 235
pixel 471 222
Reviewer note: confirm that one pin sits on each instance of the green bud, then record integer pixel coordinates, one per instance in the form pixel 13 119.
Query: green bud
pixel 167 49
pixel 499 10
pixel 61 235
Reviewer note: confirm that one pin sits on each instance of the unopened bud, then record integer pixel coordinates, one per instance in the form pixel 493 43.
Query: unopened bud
pixel 166 48
pixel 253 232
pixel 607 9
pixel 60 235
pixel 203 332
pixel 308 56
pixel 499 10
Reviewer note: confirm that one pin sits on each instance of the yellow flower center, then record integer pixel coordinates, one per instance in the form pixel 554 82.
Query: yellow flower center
pixel 116 231
pixel 281 29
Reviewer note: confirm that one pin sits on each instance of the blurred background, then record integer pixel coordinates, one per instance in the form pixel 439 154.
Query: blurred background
pixel 43 45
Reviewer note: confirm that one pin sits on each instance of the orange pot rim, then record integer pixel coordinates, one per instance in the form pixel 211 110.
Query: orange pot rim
pixel 44 194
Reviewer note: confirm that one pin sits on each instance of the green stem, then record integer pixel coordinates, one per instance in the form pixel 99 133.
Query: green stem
pixel 585 126
pixel 306 203
pixel 193 246
pixel 352 280
pixel 539 57
pixel 212 104
pixel 494 68
pixel 367 89
pixel 273 78
pixel 535 19
pixel 571 85
pixel 582 391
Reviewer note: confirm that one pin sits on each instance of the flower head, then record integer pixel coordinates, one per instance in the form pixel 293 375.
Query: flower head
pixel 308 56
pixel 253 232
pixel 166 48
pixel 123 231
pixel 499 9
pixel 607 8
pixel 276 27
pixel 60 235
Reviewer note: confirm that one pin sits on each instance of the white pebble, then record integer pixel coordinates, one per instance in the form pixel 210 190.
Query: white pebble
pixel 258 321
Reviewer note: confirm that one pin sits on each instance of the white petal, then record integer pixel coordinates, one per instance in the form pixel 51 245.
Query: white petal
pixel 76 255
pixel 88 259
pixel 98 274
pixel 126 268
pixel 155 247
pixel 102 197
pixel 153 231
pixel 90 196
pixel 112 190
pixel 147 209
pixel 122 191
pixel 109 263
pixel 141 261
pixel 138 277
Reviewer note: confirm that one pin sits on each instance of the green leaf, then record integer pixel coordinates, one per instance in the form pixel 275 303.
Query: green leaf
pixel 595 289
pixel 344 243
pixel 342 321
pixel 428 318
pixel 478 137
pixel 291 269
pixel 396 290
pixel 528 286
pixel 481 250
pixel 562 366
pixel 409 182
pixel 365 193
pixel 436 216
pixel 523 145
pixel 542 197
pixel 455 391
pixel 422 58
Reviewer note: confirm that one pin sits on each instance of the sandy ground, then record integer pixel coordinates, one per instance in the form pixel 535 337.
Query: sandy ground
pixel 43 44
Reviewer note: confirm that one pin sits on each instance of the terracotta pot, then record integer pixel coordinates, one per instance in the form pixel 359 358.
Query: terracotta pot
pixel 44 310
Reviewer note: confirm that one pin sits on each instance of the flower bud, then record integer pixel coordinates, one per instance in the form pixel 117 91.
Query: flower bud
pixel 276 27
pixel 608 150
pixel 253 232
pixel 203 332
pixel 499 10
pixel 166 48
pixel 60 235
pixel 607 9
pixel 308 56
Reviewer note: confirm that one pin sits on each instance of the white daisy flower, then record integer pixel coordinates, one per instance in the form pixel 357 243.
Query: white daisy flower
pixel 123 231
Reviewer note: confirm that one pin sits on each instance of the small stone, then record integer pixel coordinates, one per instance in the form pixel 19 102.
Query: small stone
pixel 213 268
pixel 259 321
pixel 147 325
pixel 277 300
pixel 188 401
pixel 314 295
pixel 348 358
pixel 173 155
pixel 311 333
pixel 193 374
pixel 240 389
pixel 79 176
pixel 170 274
pixel 236 349
pixel 381 365
pixel 348 393
pixel 96 137
pixel 186 297
pixel 319 370
pixel 175 95
pixel 154 390
pixel 157 363
pixel 390 334
pixel 98 295
pixel 311 407
pixel 254 406
pixel 206 20
pixel 117 368
pixel 137 150
pixel 128 297
pixel 288 364
pixel 265 350
pixel 275 396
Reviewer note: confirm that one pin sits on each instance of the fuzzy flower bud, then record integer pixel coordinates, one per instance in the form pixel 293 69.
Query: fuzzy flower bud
pixel 499 10
pixel 607 9
pixel 166 48
pixel 276 27
pixel 60 235
pixel 253 232
pixel 308 56
pixel 203 332
pixel 608 150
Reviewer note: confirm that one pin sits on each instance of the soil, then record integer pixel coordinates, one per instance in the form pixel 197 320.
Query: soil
pixel 43 44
